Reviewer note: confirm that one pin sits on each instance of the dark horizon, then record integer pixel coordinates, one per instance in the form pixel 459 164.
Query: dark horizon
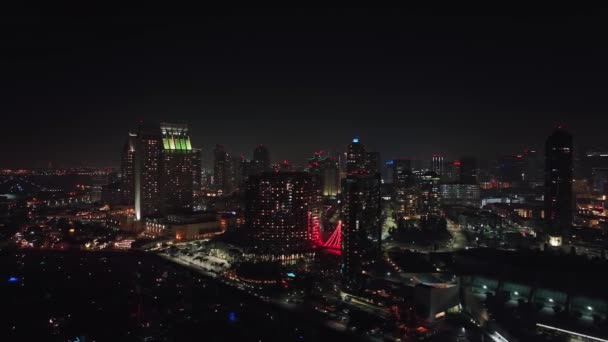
pixel 409 83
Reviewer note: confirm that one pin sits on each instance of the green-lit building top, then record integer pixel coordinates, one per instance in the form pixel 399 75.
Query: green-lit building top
pixel 175 137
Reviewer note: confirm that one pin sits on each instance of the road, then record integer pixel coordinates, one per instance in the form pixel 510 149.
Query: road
pixel 459 241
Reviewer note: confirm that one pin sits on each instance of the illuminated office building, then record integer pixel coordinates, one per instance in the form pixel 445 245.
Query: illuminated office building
pixel 404 185
pixel 460 194
pixel 327 170
pixel 430 195
pixel 356 158
pixel 176 169
pixel 127 170
pixel 361 227
pixel 163 169
pixel 437 164
pixel 277 211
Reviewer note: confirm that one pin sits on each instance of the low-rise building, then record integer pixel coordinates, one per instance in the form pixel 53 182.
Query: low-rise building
pixel 189 227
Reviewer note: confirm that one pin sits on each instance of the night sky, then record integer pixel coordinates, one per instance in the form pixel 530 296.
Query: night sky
pixel 409 82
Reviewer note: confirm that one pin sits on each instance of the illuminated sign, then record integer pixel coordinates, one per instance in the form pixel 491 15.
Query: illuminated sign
pixel 355 140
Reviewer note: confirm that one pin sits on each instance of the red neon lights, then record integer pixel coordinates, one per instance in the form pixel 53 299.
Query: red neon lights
pixel 335 240
pixel 313 224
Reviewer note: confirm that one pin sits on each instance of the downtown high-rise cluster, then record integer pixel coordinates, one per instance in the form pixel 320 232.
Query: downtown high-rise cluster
pixel 333 202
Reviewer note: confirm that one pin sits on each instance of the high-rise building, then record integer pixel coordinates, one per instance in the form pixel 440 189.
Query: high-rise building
pixel 176 169
pixel 163 173
pixel 452 171
pixel 342 158
pixel 373 162
pixel 594 165
pixel 222 170
pixel 327 170
pixel 512 169
pixel 261 159
pixel 127 170
pixel 468 170
pixel 437 164
pixel 404 184
pixel 356 158
pixel 236 171
pixel 278 210
pixel 402 173
pixel 147 171
pixel 430 195
pixel 361 226
pixel 206 179
pixel 559 172
pixel 247 169
pixel 197 172
pixel 533 170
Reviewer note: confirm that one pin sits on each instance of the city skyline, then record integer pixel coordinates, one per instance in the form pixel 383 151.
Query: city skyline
pixel 408 82
pixel 269 174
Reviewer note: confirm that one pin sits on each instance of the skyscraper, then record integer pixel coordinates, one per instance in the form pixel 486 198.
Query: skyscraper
pixel 361 226
pixel 404 184
pixel 437 164
pixel 162 169
pixel 558 184
pixel 356 158
pixel 261 158
pixel 278 210
pixel 176 168
pixel 197 169
pixel 402 173
pixel 430 194
pixel 221 169
pixel 127 170
pixel 147 171
pixel 533 170
pixel 373 162
pixel 247 169
pixel 327 170
pixel 236 171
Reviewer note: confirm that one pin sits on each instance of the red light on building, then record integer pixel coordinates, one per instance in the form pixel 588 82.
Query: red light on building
pixel 335 240
pixel 457 163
